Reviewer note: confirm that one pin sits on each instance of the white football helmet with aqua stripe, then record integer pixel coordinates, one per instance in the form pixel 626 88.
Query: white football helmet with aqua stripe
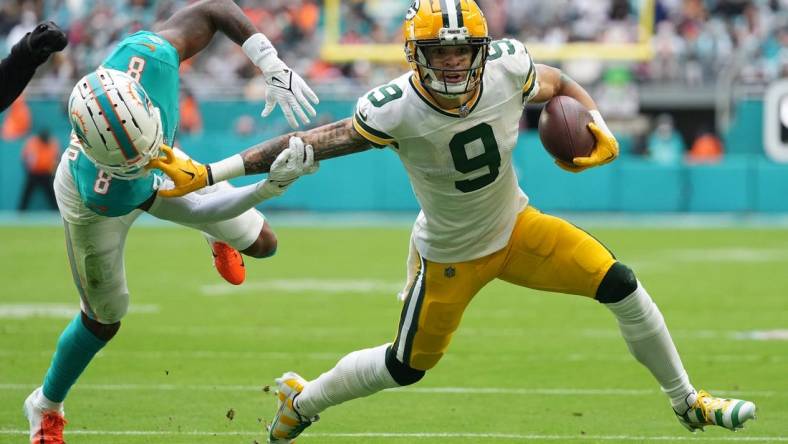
pixel 116 123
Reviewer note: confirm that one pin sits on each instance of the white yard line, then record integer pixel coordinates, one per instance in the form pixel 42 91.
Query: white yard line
pixel 193 354
pixel 426 435
pixel 169 355
pixel 565 391
pixel 46 310
pixel 728 254
pixel 754 335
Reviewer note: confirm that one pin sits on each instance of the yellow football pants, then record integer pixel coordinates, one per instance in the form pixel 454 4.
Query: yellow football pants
pixel 544 253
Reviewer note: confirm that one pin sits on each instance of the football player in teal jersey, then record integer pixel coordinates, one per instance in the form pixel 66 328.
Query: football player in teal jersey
pixel 124 117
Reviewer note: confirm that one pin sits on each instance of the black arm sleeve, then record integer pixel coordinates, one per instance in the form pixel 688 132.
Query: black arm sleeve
pixel 16 70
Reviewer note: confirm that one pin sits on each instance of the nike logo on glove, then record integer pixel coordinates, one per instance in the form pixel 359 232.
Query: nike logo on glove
pixel 281 83
pixel 191 175
pixel 274 79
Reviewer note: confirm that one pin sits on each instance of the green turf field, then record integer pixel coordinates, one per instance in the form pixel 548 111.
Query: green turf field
pixel 525 366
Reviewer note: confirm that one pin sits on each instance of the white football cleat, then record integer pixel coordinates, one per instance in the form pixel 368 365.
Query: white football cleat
pixel 46 426
pixel 709 410
pixel 288 423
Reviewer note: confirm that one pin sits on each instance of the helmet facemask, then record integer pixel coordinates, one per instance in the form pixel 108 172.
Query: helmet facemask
pixel 450 24
pixel 446 24
pixel 429 73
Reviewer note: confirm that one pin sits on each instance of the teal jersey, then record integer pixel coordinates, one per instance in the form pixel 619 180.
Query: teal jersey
pixel 107 195
pixel 152 61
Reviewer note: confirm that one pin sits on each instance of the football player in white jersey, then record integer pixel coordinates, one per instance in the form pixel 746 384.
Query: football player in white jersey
pixel 453 122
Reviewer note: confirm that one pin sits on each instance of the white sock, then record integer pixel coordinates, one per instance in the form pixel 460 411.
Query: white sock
pixel 43 403
pixel 649 341
pixel 356 375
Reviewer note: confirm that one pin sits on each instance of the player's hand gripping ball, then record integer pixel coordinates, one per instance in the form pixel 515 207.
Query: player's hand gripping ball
pixel 563 129
pixel 574 137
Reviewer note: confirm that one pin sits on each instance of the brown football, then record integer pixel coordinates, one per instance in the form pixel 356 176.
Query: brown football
pixel 563 129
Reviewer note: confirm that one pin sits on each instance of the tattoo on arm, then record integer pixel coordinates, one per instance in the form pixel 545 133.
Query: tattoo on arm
pixel 329 141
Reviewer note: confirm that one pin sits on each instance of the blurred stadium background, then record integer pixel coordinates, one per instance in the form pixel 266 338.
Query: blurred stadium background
pixel 698 204
pixel 684 84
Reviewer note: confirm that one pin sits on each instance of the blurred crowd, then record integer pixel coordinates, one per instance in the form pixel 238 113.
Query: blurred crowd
pixel 694 40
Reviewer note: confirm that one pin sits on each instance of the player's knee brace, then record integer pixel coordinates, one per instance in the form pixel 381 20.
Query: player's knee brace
pixel 402 374
pixel 105 332
pixel 618 283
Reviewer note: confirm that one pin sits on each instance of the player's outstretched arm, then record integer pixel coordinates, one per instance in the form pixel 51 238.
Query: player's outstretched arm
pixel 191 29
pixel 553 82
pixel 328 141
pixel 295 161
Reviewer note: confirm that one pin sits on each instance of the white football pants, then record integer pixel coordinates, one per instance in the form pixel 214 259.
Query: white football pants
pixel 95 246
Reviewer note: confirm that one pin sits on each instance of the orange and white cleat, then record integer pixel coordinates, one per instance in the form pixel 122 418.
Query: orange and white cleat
pixel 228 262
pixel 46 426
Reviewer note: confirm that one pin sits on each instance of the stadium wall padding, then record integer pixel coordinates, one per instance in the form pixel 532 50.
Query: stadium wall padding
pixel 745 181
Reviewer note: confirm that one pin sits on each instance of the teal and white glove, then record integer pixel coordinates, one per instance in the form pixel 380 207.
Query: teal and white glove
pixel 295 161
pixel 284 87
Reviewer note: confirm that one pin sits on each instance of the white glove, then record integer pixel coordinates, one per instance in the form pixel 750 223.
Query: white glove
pixel 283 86
pixel 287 89
pixel 292 163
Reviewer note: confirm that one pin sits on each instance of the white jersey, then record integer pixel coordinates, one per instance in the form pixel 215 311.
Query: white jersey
pixel 459 161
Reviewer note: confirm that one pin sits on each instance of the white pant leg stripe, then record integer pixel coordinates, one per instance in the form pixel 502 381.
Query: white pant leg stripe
pixel 416 294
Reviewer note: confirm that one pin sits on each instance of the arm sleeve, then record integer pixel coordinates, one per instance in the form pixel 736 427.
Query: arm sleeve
pixel 16 70
pixel 210 207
